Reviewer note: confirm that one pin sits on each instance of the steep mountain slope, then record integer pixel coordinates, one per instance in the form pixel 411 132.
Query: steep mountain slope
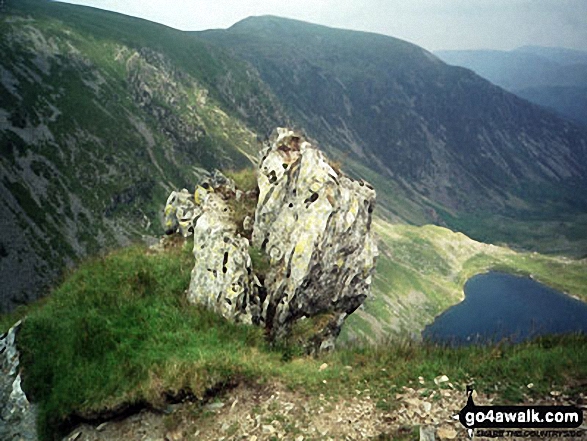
pixel 551 77
pixel 467 153
pixel 568 101
pixel 101 115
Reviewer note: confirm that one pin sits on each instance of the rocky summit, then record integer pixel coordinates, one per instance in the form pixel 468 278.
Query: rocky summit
pixel 312 229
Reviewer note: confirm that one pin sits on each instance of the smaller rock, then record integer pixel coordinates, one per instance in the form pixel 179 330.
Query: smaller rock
pixel 323 367
pixel 17 414
pixel 268 428
pixel 440 379
pixel 176 435
pixel 413 402
pixel 214 406
pixel 427 433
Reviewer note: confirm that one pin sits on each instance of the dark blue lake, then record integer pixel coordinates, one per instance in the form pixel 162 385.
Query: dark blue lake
pixel 500 306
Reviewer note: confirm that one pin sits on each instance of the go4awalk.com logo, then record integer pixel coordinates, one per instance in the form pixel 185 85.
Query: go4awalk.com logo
pixel 520 418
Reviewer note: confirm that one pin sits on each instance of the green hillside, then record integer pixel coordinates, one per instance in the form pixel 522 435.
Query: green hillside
pixel 421 272
pixel 101 116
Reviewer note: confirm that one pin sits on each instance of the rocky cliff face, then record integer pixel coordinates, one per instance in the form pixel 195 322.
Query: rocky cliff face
pixel 313 226
pixel 17 414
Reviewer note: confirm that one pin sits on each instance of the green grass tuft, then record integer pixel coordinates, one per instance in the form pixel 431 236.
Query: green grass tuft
pixel 245 179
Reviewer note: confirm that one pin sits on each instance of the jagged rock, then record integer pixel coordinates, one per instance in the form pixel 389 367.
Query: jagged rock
pixel 314 223
pixel 181 212
pixel 17 415
pixel 311 221
pixel 183 208
pixel 222 277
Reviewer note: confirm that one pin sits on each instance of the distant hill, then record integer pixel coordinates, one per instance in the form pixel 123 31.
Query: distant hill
pixel 555 78
pixel 562 56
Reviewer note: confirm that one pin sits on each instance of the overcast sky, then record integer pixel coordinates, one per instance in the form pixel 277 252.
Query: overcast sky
pixel 432 24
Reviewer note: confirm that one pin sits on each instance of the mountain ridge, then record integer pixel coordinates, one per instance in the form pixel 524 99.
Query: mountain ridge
pixel 430 118
pixel 555 78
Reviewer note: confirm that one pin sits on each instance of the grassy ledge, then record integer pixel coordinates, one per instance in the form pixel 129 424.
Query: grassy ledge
pixel 118 332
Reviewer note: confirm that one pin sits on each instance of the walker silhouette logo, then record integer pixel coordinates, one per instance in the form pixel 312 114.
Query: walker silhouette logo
pixel 519 417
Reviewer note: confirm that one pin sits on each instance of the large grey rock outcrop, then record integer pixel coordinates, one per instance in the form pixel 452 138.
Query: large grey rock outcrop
pixel 17 414
pixel 312 223
pixel 315 225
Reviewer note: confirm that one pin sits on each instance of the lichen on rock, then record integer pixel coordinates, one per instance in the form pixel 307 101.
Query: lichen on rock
pixel 222 278
pixel 180 212
pixel 315 225
pixel 311 221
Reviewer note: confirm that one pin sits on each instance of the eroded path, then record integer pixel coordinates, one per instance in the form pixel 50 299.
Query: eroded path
pixel 273 412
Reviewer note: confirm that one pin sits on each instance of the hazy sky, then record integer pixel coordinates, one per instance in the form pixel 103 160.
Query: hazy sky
pixel 432 24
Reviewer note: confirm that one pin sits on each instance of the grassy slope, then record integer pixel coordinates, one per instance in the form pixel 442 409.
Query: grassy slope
pixel 422 271
pixel 119 332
